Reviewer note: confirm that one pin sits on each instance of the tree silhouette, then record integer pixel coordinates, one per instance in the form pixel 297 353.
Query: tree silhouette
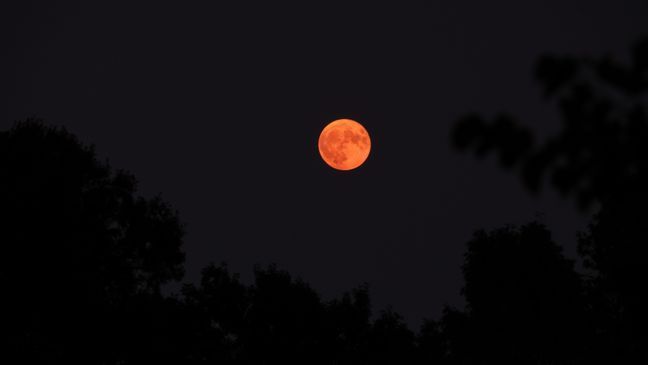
pixel 524 300
pixel 282 320
pixel 390 341
pixel 82 251
pixel 432 343
pixel 600 152
pixel 601 159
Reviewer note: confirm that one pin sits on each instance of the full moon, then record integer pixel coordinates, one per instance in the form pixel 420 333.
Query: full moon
pixel 344 144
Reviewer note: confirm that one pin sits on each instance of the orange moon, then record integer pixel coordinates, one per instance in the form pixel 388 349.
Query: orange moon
pixel 344 144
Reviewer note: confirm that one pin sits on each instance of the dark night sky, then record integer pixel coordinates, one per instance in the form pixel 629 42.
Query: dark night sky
pixel 219 107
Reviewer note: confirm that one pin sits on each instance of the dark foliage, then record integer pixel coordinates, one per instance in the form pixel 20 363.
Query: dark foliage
pixel 525 303
pixel 601 159
pixel 601 150
pixel 281 320
pixel 81 251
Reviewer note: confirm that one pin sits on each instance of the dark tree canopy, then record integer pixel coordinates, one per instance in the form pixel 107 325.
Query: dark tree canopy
pixel 601 159
pixel 282 320
pixel 601 151
pixel 78 244
pixel 524 299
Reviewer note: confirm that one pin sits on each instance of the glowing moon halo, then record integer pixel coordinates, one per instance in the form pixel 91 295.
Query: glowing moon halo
pixel 344 144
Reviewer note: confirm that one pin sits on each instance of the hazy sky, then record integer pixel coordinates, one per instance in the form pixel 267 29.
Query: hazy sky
pixel 219 106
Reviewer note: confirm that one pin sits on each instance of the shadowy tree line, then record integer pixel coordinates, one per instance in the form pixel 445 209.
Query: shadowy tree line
pixel 85 258
pixel 601 160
